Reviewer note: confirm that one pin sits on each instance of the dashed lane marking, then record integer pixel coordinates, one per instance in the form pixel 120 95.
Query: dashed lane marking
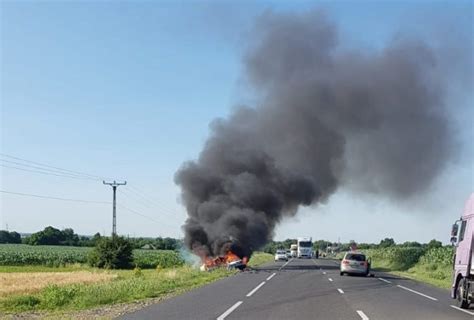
pixel 468 312
pixel 340 291
pixel 382 279
pixel 229 311
pixel 362 315
pixel 330 279
pixel 285 264
pixel 255 289
pixel 419 293
pixel 271 276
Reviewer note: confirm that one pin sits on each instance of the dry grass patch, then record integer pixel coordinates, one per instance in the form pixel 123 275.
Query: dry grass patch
pixel 25 283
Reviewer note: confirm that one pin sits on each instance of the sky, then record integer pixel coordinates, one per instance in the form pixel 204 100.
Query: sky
pixel 126 91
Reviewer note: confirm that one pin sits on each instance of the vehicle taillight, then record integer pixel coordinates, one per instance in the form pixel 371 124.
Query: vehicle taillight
pixel 345 262
pixel 363 263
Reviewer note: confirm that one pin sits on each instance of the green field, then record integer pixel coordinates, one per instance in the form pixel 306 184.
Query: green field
pixel 25 255
pixel 165 274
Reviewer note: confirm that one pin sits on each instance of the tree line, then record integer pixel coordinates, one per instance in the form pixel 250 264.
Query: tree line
pixel 67 237
pixel 324 245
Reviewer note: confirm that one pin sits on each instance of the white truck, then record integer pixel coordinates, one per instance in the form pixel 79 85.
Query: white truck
pixel 294 250
pixel 305 247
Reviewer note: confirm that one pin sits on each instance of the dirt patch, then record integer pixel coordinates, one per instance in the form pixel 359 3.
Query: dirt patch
pixel 30 282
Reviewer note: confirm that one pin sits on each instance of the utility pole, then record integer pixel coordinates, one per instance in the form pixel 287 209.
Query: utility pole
pixel 114 186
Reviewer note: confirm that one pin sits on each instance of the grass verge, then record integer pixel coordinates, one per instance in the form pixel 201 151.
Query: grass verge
pixel 439 276
pixel 259 258
pixel 128 286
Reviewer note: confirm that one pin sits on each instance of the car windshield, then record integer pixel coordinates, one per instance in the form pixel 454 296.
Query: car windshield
pixel 281 252
pixel 305 244
pixel 356 257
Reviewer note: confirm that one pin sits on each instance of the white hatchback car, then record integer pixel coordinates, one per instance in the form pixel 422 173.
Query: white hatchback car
pixel 355 263
pixel 281 255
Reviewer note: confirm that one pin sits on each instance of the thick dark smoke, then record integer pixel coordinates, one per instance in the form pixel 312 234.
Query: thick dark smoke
pixel 327 117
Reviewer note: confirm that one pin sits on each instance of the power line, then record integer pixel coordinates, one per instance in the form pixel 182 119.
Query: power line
pixel 146 204
pixel 49 166
pixel 82 201
pixel 145 216
pixel 47 173
pixel 49 170
pixel 149 199
pixel 53 198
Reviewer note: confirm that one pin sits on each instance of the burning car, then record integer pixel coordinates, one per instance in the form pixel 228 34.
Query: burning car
pixel 229 261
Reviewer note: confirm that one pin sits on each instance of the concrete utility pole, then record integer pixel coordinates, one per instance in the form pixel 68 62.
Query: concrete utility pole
pixel 114 186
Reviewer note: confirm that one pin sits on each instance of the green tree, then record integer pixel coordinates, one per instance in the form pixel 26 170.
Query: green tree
pixel 9 237
pixel 112 253
pixel 387 242
pixel 434 244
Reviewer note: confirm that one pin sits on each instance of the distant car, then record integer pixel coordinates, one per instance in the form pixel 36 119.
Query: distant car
pixel 281 255
pixel 355 263
pixel 288 254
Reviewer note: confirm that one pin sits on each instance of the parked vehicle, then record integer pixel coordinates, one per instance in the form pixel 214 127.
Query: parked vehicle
pixel 305 247
pixel 294 250
pixel 355 263
pixel 281 255
pixel 288 254
pixel 462 288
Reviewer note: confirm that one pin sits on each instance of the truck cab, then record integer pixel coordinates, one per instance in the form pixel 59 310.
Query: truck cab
pixel 462 288
pixel 305 247
pixel 294 250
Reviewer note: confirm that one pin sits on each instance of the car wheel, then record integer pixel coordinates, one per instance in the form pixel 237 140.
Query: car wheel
pixel 342 273
pixel 462 301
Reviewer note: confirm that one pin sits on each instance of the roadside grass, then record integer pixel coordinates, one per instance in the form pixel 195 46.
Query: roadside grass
pixel 439 276
pixel 41 268
pixel 128 286
pixel 123 287
pixel 31 282
pixel 259 258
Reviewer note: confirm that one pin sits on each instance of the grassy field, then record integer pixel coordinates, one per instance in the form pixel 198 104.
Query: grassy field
pixel 78 287
pixel 25 255
pixel 259 258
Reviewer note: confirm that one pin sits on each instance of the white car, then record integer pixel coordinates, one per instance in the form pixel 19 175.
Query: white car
pixel 281 255
pixel 355 263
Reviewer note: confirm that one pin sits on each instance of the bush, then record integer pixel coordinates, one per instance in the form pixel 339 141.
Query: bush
pixel 112 253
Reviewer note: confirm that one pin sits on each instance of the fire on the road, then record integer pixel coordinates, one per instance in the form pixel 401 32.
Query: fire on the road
pixel 229 260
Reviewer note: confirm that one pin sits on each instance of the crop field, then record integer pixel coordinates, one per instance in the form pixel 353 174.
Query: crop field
pixel 55 256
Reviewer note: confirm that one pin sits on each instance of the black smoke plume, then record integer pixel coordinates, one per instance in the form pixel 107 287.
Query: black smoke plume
pixel 372 120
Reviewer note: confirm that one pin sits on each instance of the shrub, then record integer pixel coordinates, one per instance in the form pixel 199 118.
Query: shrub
pixel 112 253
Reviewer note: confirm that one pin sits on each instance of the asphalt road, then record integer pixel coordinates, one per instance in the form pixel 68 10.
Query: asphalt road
pixel 308 289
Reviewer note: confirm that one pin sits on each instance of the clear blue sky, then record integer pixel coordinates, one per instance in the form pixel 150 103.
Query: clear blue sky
pixel 127 90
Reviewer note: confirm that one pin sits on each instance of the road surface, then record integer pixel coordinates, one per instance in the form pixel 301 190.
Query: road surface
pixel 307 289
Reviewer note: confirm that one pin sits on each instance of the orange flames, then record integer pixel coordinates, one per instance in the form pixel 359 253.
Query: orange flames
pixel 222 261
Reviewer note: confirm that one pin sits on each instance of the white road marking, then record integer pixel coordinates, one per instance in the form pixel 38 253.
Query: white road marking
pixel 340 291
pixel 330 279
pixel 229 311
pixel 255 289
pixel 285 264
pixel 419 293
pixel 271 276
pixel 362 315
pixel 468 312
pixel 382 279
pixel 324 272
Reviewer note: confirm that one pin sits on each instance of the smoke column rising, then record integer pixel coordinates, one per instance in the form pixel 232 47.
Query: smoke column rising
pixel 374 120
